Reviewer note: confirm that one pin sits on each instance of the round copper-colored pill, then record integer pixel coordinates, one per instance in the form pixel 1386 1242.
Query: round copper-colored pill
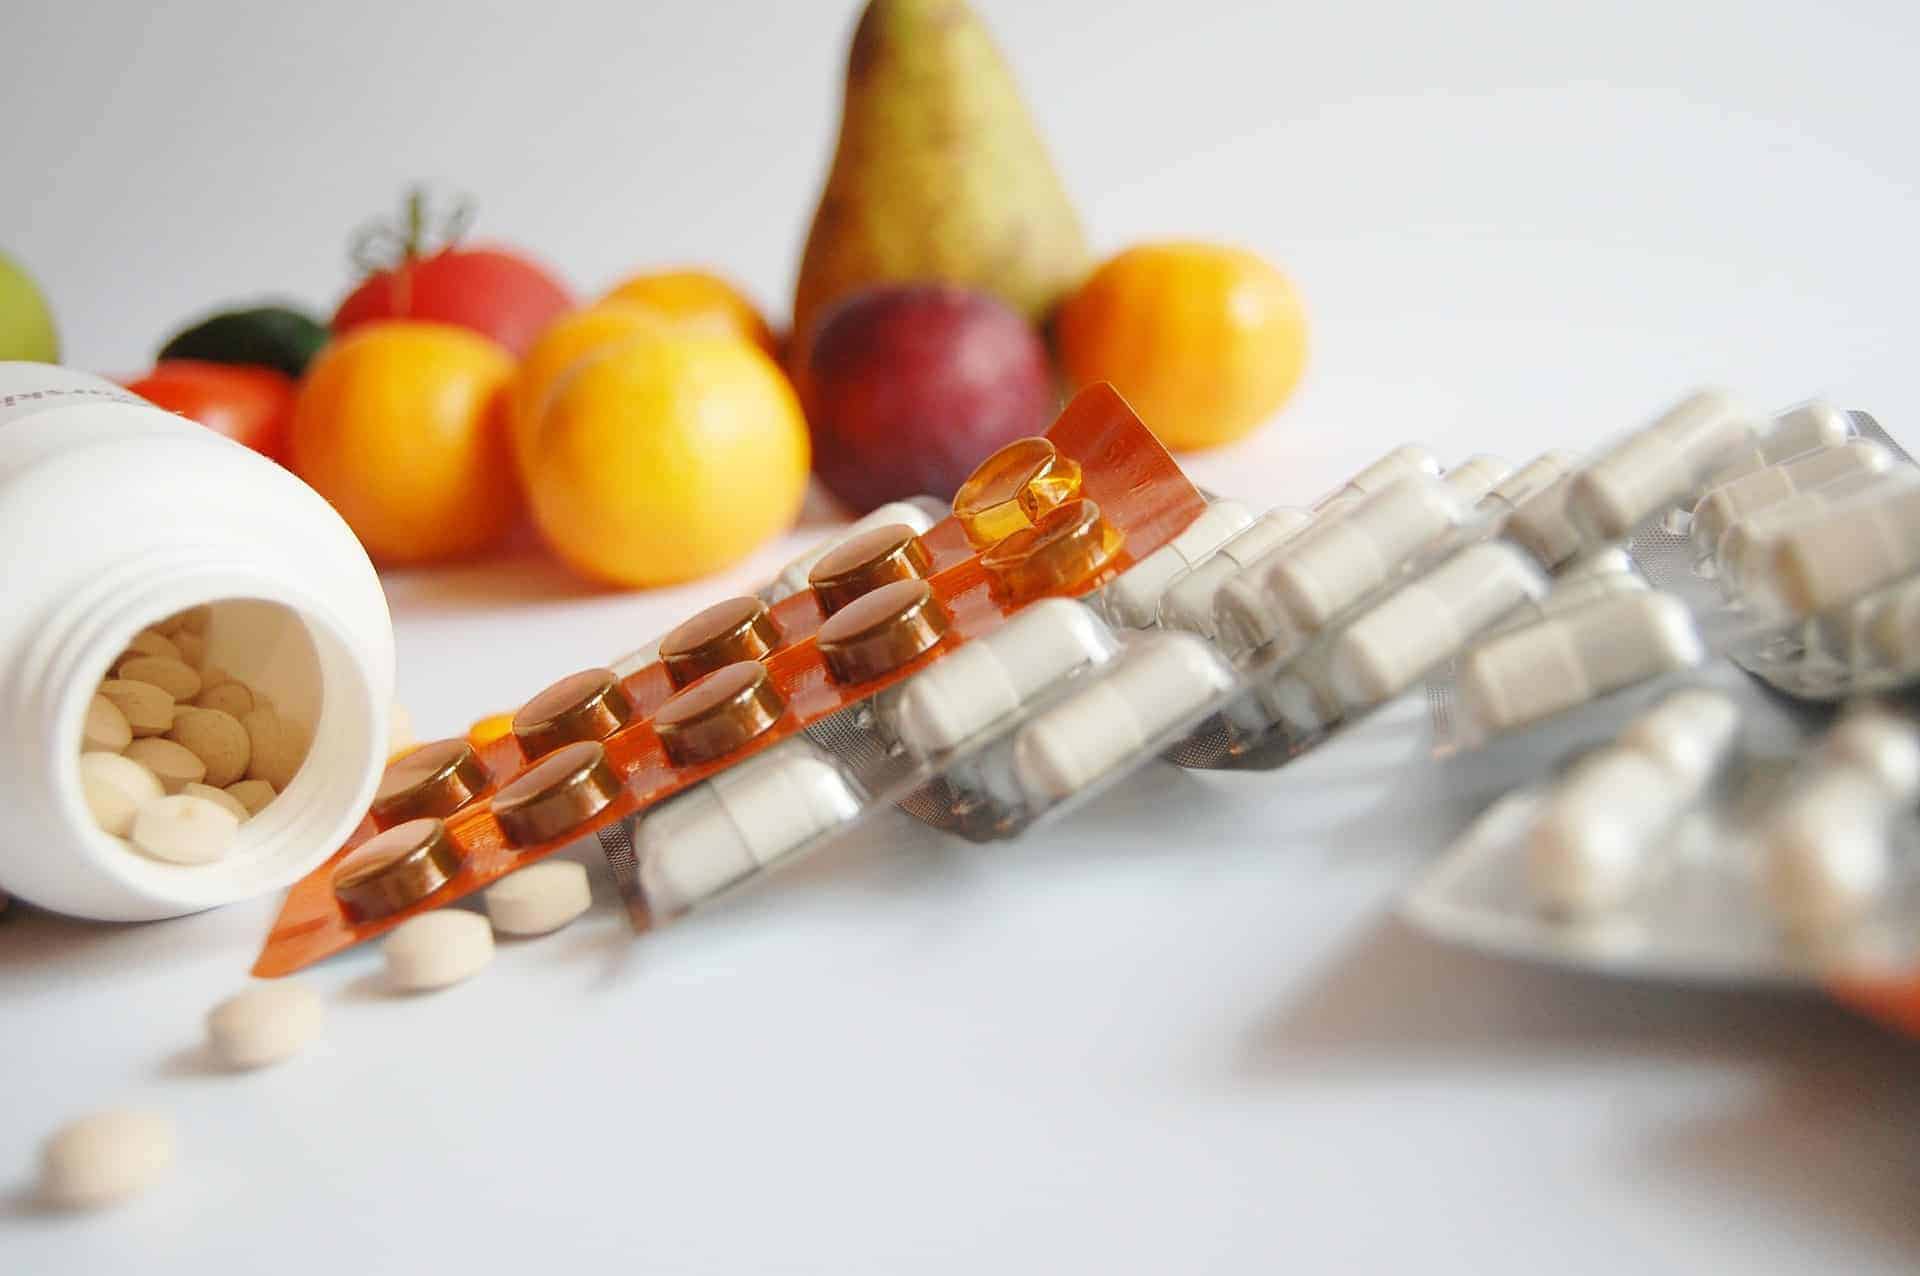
pixel 395 869
pixel 1066 546
pixel 434 779
pixel 729 631
pixel 865 562
pixel 1013 487
pixel 881 631
pixel 718 714
pixel 589 705
pixel 572 784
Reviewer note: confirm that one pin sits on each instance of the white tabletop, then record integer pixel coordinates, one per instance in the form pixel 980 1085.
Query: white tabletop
pixel 1180 1031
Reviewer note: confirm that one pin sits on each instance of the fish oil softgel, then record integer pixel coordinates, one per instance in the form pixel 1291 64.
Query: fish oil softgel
pixel 1715 836
pixel 699 762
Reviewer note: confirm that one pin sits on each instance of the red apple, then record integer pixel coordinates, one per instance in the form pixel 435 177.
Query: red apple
pixel 908 387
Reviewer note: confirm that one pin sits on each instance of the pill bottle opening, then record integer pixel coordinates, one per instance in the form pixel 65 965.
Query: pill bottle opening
pixel 294 662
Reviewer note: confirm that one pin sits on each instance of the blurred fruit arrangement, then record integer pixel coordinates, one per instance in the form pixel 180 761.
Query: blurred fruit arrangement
pixel 945 302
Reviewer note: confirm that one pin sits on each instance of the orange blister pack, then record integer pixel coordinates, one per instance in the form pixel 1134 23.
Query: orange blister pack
pixel 1058 517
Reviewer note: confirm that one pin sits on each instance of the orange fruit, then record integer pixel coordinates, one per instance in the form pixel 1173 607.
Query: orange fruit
pixel 495 726
pixel 1205 342
pixel 696 302
pixel 668 458
pixel 401 425
pixel 561 345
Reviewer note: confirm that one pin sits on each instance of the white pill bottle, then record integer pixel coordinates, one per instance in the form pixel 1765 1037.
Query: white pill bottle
pixel 113 516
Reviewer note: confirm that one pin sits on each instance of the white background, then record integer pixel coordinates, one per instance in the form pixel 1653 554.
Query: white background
pixel 1180 1032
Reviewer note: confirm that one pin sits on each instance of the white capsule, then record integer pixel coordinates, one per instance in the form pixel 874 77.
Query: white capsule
pixel 1810 426
pixel 1889 630
pixel 105 1157
pixel 742 820
pixel 1741 555
pixel 1590 843
pixel 264 1023
pixel 1392 644
pixel 1690 733
pixel 1286 698
pixel 539 899
pixel 1542 526
pixel 1826 852
pixel 1157 686
pixel 1727 504
pixel 1528 674
pixel 1657 466
pixel 1880 745
pixel 1286 598
pixel 1567 595
pixel 1614 560
pixel 1849 550
pixel 1409 460
pixel 793 577
pixel 1476 476
pixel 437 949
pixel 957 698
pixel 1133 600
pixel 1189 603
pixel 1536 476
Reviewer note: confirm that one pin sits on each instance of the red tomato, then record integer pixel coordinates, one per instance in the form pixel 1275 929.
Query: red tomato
pixel 495 292
pixel 250 405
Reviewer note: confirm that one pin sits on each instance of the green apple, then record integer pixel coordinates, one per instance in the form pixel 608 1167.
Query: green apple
pixel 26 325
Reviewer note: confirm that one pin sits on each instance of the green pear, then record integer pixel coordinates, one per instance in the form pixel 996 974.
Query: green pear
pixel 939 173
pixel 26 325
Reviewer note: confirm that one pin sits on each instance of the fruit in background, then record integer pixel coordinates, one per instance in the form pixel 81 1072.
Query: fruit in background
pixel 668 458
pixel 909 387
pixel 939 173
pixel 402 427
pixel 565 342
pixel 252 406
pixel 26 324
pixel 494 291
pixel 261 336
pixel 695 301
pixel 1205 342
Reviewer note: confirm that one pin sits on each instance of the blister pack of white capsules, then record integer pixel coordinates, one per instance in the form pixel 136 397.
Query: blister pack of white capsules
pixel 1328 611
pixel 1801 559
pixel 1704 833
pixel 1708 531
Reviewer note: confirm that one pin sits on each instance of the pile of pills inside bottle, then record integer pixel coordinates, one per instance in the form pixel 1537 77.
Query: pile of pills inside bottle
pixel 175 755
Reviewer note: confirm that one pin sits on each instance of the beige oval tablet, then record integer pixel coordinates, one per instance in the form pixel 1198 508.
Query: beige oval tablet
pixel 539 898
pixel 193 620
pixel 182 829
pixel 264 1023
pixel 106 728
pixel 252 794
pixel 175 764
pixel 150 642
pixel 192 648
pixel 228 697
pixel 147 708
pixel 217 739
pixel 104 1157
pixel 277 748
pixel 174 676
pixel 436 949
pixel 115 788
pixel 219 797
